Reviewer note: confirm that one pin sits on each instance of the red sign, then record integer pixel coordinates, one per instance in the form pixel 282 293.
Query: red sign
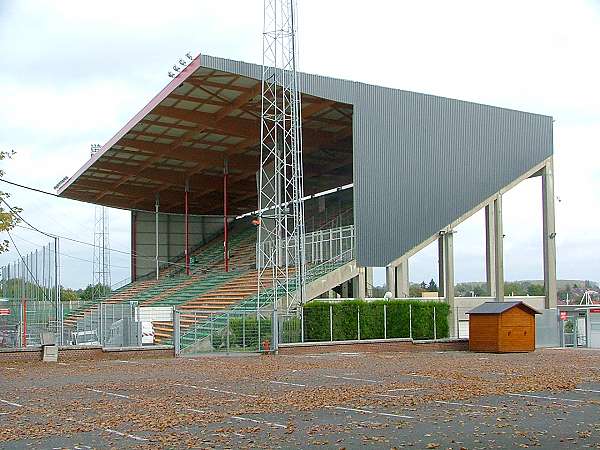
pixel 595 310
pixel 4 312
pixel 563 315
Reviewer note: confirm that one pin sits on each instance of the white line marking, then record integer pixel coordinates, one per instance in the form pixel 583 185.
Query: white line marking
pixel 350 378
pixel 471 405
pixel 547 398
pixel 264 422
pixel 417 375
pixel 405 389
pixel 18 405
pixel 109 393
pixel 594 391
pixel 390 396
pixel 130 436
pixel 288 384
pixel 108 430
pixel 366 411
pixel 216 390
pixel 4 413
pixel 195 410
pixel 62 364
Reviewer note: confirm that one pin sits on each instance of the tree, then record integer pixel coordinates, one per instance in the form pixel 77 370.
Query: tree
pixel 423 285
pixel 432 286
pixel 8 216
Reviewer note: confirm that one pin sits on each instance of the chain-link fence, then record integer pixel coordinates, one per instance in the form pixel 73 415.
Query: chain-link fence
pixel 237 330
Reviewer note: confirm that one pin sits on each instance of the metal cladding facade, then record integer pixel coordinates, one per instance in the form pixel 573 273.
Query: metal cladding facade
pixel 421 161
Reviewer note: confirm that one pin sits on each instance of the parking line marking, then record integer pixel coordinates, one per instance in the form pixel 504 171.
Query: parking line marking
pixel 108 430
pixel 366 411
pixel 62 364
pixel 594 391
pixel 405 389
pixel 417 375
pixel 17 405
pixel 287 384
pixel 215 390
pixel 351 379
pixel 264 422
pixel 108 393
pixel 4 413
pixel 547 398
pixel 471 405
pixel 130 436
pixel 195 410
pixel 390 396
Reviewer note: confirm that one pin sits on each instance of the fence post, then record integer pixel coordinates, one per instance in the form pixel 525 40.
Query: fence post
pixel 176 332
pixel 434 325
pixel 385 321
pixel 358 320
pixel 410 320
pixel 302 323
pixel 227 331
pixel 331 323
pixel 244 330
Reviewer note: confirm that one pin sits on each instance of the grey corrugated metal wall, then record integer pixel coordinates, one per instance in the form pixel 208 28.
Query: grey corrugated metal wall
pixel 421 161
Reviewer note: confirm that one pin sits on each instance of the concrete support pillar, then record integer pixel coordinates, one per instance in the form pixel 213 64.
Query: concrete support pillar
pixel 498 249
pixel 390 280
pixel 441 272
pixel 365 282
pixel 490 250
pixel 345 289
pixel 396 279
pixel 549 242
pixel 448 260
pixel 446 275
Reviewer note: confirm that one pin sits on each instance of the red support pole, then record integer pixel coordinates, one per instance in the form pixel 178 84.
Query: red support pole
pixel 187 229
pixel 225 243
pixel 133 246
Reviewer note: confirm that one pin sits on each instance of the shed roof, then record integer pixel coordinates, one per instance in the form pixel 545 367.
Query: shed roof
pixel 499 307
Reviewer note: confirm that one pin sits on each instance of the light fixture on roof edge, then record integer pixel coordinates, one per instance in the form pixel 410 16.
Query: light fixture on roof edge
pixel 181 64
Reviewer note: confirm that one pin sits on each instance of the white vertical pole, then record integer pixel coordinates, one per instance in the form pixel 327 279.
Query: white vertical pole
pixel 385 321
pixel 156 206
pixel 331 323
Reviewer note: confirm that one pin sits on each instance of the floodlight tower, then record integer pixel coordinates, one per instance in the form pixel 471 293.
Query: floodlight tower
pixel 101 281
pixel 281 260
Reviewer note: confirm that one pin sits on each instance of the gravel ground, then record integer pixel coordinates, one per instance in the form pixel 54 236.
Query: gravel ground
pixel 548 399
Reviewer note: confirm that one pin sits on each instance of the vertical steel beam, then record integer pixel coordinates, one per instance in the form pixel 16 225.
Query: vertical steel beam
pixel 490 250
pixel 133 246
pixel 498 249
pixel 549 230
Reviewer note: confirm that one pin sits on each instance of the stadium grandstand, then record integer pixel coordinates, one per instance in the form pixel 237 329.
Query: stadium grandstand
pixel 386 172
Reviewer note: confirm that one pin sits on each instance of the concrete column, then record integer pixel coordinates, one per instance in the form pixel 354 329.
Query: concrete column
pixel 390 280
pixel 365 282
pixel 549 241
pixel 402 283
pixel 345 289
pixel 448 261
pixel 396 279
pixel 441 272
pixel 490 250
pixel 498 250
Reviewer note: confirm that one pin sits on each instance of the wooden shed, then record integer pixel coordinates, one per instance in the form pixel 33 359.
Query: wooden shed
pixel 502 327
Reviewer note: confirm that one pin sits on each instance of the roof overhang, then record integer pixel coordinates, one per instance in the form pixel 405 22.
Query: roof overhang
pixel 201 119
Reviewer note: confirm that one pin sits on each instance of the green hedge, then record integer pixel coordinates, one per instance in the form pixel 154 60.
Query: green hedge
pixel 345 320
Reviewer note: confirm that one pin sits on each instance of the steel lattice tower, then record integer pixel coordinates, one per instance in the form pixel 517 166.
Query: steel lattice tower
pixel 281 238
pixel 101 260
pixel 101 281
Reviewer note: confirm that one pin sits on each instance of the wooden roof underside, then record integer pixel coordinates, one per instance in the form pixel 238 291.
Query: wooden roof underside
pixel 210 116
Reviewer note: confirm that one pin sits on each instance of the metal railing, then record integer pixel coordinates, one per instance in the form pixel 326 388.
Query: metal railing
pixel 320 246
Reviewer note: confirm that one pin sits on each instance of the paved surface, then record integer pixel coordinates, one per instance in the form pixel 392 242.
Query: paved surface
pixel 548 399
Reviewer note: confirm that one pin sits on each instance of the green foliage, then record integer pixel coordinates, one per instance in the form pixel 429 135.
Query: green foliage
pixel 8 215
pixel 243 333
pixel 344 320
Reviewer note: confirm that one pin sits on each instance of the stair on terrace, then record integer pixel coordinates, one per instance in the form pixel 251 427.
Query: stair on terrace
pixel 174 287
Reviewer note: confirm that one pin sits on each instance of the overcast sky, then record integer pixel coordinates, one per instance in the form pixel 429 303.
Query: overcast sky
pixel 73 72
